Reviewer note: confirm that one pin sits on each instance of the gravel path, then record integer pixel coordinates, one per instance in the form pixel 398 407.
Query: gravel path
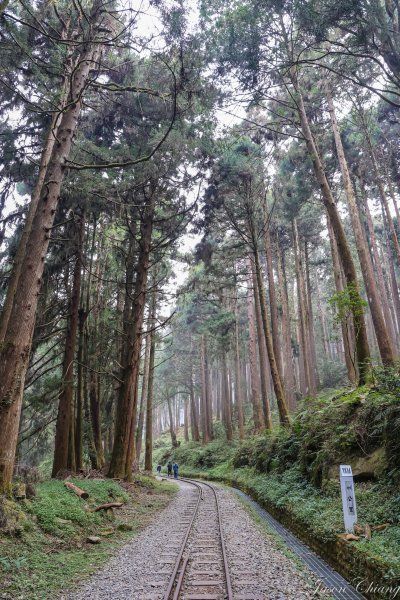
pixel 141 569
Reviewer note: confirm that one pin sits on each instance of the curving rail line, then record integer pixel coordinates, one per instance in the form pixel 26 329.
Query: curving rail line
pixel 180 577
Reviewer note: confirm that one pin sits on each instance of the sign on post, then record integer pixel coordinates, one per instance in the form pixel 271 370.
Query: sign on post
pixel 348 497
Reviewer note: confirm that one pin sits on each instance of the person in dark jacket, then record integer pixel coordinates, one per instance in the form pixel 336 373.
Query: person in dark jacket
pixel 169 467
pixel 159 469
pixel 175 467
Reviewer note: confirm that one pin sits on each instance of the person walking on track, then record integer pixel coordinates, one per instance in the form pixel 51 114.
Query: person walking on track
pixel 169 467
pixel 175 471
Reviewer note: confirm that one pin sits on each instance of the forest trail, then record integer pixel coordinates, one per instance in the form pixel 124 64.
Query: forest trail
pixel 257 567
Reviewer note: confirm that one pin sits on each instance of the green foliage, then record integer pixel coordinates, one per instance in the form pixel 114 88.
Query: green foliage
pixel 347 302
pixel 9 564
pixel 197 456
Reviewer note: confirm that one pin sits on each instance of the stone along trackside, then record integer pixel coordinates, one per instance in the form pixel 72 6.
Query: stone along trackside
pixel 258 569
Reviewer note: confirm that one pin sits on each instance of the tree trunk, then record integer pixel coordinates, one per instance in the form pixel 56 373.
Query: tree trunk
pixel 304 318
pixel 14 352
pixel 123 451
pixel 385 343
pixel 226 412
pixel 204 393
pixel 194 420
pixel 311 317
pixel 82 315
pixel 172 431
pixel 290 382
pixel 276 380
pixel 186 419
pixel 375 254
pixel 382 194
pixel 208 392
pixel 36 193
pixel 254 382
pixel 63 443
pixel 361 338
pixel 322 318
pixel 238 382
pixel 95 417
pixel 346 323
pixel 148 459
pixel 262 354
pixel 143 396
pixel 272 302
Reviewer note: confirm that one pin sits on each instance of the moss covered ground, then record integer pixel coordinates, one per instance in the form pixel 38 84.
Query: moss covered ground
pixel 296 470
pixel 48 550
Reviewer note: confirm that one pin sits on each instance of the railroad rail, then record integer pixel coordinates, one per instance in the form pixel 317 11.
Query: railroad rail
pixel 203 547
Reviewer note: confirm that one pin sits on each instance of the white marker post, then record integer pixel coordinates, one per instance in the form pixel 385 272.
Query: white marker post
pixel 348 497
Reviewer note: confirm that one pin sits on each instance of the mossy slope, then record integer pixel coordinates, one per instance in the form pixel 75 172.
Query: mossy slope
pixel 50 551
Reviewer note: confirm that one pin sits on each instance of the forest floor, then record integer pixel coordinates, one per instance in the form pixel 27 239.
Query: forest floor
pixel 48 550
pixel 141 570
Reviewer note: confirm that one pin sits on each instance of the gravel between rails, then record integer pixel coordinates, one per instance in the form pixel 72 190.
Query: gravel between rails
pixel 258 568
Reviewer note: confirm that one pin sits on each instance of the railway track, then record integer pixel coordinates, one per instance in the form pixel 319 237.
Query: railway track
pixel 201 571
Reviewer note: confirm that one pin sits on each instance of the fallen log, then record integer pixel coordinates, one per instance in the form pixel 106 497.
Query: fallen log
pixel 380 527
pixel 107 506
pixel 76 490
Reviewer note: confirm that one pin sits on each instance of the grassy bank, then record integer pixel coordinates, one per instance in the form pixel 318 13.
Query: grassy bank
pixel 294 473
pixel 46 550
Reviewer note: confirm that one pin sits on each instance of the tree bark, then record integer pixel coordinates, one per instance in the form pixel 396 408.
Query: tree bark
pixel 226 408
pixel 375 256
pixel 290 386
pixel 361 338
pixel 276 380
pixel 382 193
pixel 194 420
pixel 63 443
pixel 47 152
pixel 304 318
pixel 148 459
pixel 186 419
pixel 143 396
pixel 238 381
pixel 311 317
pixel 273 305
pixel 346 324
pixel 14 351
pixel 262 354
pixel 172 430
pixel 254 382
pixel 123 451
pixel 385 343
pixel 204 393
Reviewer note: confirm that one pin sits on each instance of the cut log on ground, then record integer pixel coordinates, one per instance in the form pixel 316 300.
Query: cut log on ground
pixel 380 527
pixel 107 506
pixel 76 490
